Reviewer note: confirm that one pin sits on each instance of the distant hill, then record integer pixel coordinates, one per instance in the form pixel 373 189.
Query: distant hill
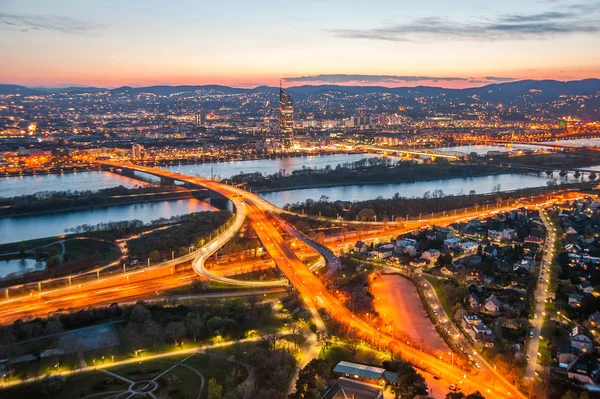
pixel 538 89
pixel 34 91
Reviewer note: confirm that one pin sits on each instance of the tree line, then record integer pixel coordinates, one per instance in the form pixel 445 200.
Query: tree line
pixel 368 170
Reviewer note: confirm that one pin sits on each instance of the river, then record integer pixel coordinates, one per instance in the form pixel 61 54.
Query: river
pixel 13 229
pixel 484 149
pixel 27 228
pixel 20 266
pixel 80 181
pixel 481 185
pixel 225 170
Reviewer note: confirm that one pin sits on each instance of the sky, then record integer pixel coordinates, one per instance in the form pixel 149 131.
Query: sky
pixel 246 43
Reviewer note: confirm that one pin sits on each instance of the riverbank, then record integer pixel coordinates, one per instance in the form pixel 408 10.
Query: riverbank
pixel 380 182
pixel 402 207
pixel 365 171
pixel 216 160
pixel 62 202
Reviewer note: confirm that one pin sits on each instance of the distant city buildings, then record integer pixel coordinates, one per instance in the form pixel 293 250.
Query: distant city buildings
pixel 286 118
pixel 137 151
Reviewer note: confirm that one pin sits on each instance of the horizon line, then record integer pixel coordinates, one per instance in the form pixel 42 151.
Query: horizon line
pixel 84 86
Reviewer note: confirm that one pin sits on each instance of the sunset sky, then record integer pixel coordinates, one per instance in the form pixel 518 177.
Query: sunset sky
pixel 248 43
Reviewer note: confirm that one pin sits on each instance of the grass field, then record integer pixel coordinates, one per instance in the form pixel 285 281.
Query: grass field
pixel 173 382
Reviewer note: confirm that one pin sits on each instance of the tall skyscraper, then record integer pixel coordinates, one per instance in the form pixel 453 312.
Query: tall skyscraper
pixel 199 119
pixel 137 152
pixel 286 118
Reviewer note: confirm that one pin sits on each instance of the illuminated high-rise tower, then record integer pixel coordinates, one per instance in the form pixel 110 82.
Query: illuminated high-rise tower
pixel 286 118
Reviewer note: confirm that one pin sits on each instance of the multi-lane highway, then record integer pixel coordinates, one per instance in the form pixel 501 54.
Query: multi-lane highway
pixel 267 225
pixel 314 293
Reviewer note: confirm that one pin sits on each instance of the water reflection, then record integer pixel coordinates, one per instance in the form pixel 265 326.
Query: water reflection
pixel 20 266
pixel 15 229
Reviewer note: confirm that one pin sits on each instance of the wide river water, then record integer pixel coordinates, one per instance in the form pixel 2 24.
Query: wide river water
pixel 481 185
pixel 25 228
pixel 14 229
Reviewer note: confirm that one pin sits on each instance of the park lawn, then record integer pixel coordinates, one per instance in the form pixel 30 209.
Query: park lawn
pixel 438 286
pixel 76 386
pixel 143 371
pixel 212 367
pixel 340 350
pixel 180 383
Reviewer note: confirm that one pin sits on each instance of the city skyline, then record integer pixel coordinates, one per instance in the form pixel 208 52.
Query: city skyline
pixel 465 44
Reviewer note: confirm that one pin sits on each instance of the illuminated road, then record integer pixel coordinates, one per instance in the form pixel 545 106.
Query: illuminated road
pixel 314 292
pixel 135 285
pixel 267 225
pixel 541 294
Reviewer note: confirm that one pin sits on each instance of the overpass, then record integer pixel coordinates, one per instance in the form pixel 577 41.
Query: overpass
pixel 262 216
pixel 453 155
pixel 213 197
pixel 546 144
pixel 578 172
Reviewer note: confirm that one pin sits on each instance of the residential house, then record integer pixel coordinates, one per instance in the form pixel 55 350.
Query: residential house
pixel 470 320
pixel 594 318
pixel 431 255
pixel 575 300
pixel 469 246
pixel 452 243
pixel 449 270
pixel 581 339
pixel 509 234
pixel 495 235
pixel 526 263
pixel 344 388
pixel 472 301
pixel 566 357
pixel 403 242
pixel 446 232
pixel 360 247
pixel 418 262
pixel 492 304
pixel 431 236
pixel 534 240
pixel 586 287
pixel 482 332
pixel 571 235
pixel 365 373
pixel 491 251
pixel 474 276
pixel 585 370
pixel 406 246
pixel 384 251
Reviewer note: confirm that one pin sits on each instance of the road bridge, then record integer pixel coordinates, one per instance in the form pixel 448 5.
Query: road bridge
pixel 453 155
pixel 577 172
pixel 261 214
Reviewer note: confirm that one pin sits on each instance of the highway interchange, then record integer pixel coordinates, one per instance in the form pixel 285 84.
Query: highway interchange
pixel 269 227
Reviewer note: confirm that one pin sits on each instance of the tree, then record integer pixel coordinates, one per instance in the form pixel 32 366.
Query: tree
pixel 366 214
pixel 53 326
pixel 53 261
pixel 353 347
pixel 139 314
pixel 151 333
pixel 175 330
pixel 409 382
pixel 154 256
pixel 194 324
pixel 215 391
